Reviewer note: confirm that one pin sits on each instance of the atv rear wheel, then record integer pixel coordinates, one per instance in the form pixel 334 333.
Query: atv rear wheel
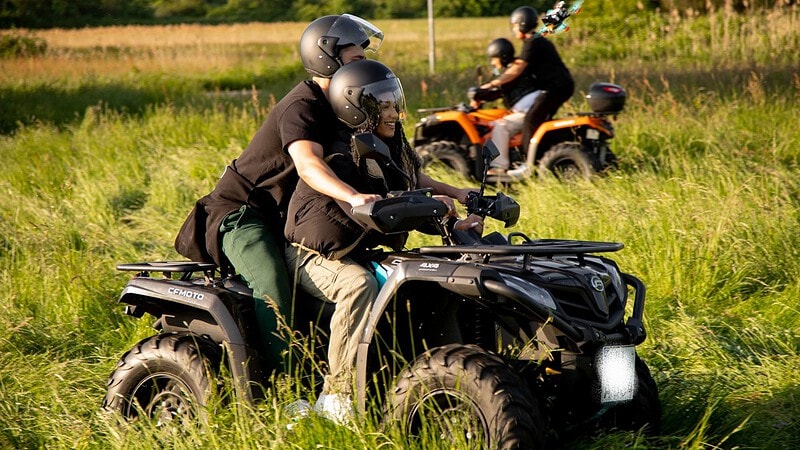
pixel 643 412
pixel 609 162
pixel 447 152
pixel 468 396
pixel 567 160
pixel 164 378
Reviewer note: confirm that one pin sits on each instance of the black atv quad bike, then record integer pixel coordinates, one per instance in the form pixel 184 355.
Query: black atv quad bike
pixel 499 341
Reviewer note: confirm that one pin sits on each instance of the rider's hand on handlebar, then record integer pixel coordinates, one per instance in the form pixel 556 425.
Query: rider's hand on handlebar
pixel 472 222
pixel 359 199
pixel 462 195
pixel 451 206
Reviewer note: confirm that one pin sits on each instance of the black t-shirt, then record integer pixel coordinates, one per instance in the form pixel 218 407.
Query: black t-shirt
pixel 514 90
pixel 546 65
pixel 303 114
pixel 264 176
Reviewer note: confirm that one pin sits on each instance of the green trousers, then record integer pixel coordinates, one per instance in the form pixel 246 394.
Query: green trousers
pixel 256 249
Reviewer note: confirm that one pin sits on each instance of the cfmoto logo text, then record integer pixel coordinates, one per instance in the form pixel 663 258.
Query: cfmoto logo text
pixel 186 293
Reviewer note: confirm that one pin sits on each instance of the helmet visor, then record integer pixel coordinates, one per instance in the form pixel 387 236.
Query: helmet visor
pixel 382 97
pixel 363 34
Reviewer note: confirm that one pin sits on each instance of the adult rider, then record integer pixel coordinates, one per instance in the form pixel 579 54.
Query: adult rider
pixel 239 225
pixel 540 59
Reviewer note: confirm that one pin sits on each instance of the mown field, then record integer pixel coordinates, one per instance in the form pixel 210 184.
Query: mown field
pixel 111 134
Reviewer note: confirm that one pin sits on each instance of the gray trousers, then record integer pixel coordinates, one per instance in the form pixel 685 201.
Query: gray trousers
pixel 353 289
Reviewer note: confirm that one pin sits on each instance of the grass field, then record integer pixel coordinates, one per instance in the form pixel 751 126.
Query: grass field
pixel 113 133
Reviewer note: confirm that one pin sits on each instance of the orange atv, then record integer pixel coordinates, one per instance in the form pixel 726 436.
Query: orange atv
pixel 575 145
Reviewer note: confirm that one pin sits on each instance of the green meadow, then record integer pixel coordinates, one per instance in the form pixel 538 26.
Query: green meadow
pixel 109 135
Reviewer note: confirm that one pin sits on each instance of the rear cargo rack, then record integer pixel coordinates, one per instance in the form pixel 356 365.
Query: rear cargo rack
pixel 167 268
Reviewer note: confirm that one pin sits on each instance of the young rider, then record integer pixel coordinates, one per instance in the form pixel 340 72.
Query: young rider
pixel 518 95
pixel 328 245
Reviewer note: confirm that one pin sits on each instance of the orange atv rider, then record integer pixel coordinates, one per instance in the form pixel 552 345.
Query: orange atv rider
pixel 567 146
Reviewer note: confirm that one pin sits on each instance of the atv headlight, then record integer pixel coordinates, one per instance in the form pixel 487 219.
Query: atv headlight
pixel 539 295
pixel 616 370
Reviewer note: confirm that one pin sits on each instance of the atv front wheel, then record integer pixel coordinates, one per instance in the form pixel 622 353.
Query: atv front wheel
pixel 447 152
pixel 469 397
pixel 164 378
pixel 567 160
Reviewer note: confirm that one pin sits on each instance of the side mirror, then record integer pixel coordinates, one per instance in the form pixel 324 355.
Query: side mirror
pixel 479 75
pixel 370 146
pixel 490 151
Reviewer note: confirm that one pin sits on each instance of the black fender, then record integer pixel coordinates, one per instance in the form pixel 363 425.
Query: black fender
pixel 464 278
pixel 200 310
pixel 566 129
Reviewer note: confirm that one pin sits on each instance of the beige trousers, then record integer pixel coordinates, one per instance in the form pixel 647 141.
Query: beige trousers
pixel 353 289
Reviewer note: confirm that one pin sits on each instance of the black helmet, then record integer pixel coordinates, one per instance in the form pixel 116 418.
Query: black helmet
pixel 501 48
pixel 358 89
pixel 325 37
pixel 526 18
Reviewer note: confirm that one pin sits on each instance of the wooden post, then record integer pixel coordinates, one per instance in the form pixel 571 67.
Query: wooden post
pixel 431 40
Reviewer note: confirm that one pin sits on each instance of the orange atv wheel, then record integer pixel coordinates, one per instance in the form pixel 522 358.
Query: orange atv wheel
pixel 567 160
pixel 445 152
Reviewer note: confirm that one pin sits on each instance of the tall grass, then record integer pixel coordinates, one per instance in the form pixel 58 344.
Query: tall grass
pixel 706 201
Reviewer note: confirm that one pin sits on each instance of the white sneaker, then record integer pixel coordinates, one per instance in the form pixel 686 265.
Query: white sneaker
pixel 297 411
pixel 335 407
pixel 519 172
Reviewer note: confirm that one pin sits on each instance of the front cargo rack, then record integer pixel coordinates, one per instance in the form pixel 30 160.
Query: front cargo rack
pixel 528 249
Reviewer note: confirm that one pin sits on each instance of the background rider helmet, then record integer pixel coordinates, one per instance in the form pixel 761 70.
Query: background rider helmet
pixel 325 37
pixel 502 49
pixel 524 20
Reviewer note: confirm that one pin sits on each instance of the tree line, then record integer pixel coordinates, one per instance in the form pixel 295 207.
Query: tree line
pixel 74 13
pixel 79 13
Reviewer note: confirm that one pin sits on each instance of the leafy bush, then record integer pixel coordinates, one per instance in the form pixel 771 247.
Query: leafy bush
pixel 179 8
pixel 17 44
pixel 711 5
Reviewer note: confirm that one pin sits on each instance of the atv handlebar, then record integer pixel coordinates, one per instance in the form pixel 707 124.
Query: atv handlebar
pixel 473 94
pixel 499 207
pixel 400 212
pixel 462 107
pixel 404 211
pixel 483 95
